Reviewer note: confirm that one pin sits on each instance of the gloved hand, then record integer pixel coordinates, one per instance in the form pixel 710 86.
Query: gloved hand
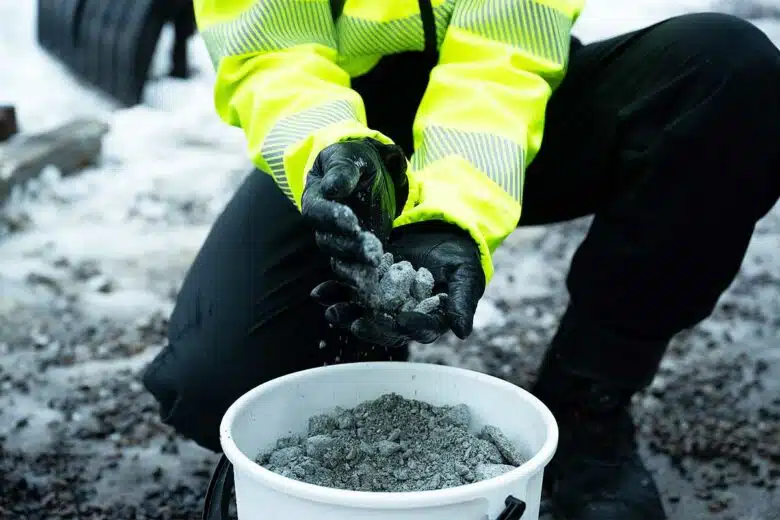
pixel 452 257
pixel 353 192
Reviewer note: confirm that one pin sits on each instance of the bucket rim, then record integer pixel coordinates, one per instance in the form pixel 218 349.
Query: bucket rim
pixel 384 499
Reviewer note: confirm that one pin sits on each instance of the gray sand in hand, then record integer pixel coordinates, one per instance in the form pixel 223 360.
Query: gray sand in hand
pixel 422 286
pixel 394 288
pixel 390 286
pixel 402 288
pixel 384 265
pixel 429 305
pixel 391 444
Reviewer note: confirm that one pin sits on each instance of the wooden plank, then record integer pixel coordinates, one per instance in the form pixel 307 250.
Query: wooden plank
pixel 70 148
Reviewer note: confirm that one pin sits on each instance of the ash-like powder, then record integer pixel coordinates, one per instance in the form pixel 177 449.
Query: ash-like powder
pixel 391 287
pixel 393 444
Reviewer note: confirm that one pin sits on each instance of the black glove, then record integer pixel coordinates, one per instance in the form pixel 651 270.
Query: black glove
pixel 452 257
pixel 353 193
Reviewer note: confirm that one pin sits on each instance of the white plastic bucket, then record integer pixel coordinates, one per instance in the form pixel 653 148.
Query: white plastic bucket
pixel 283 406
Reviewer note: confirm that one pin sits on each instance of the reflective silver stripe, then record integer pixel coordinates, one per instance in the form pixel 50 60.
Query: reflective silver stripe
pixel 292 129
pixel 272 25
pixel 526 24
pixel 501 159
pixel 442 14
pixel 367 37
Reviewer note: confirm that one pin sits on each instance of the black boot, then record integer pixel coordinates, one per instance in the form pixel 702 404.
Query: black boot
pixel 596 473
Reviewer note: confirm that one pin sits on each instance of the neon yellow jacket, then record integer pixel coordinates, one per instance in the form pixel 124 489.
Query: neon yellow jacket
pixel 283 76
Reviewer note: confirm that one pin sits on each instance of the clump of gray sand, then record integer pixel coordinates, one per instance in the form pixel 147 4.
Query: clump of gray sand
pixel 393 444
pixel 393 287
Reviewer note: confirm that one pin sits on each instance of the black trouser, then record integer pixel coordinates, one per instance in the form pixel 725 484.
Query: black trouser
pixel 668 135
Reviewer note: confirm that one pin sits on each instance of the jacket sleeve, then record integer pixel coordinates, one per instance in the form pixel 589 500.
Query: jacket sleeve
pixel 481 120
pixel 277 79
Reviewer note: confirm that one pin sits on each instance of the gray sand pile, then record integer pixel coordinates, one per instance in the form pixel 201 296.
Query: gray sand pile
pixel 393 444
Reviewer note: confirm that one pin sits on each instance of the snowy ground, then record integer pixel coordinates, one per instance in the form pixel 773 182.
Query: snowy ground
pixel 88 274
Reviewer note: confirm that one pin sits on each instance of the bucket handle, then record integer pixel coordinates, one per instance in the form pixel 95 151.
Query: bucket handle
pixel 217 503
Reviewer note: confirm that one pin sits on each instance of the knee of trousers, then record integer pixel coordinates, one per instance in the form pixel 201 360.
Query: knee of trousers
pixel 201 371
pixel 735 56
pixel 176 387
pixel 736 68
pixel 728 48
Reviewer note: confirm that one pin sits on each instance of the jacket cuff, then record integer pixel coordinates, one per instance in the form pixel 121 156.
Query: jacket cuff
pixel 453 191
pixel 311 147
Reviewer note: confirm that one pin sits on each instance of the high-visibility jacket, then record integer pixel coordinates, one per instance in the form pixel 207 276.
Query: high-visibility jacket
pixel 283 76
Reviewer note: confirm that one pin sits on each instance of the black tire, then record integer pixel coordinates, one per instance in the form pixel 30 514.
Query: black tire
pixel 42 21
pixel 69 19
pixel 57 25
pixel 136 44
pixel 88 40
pixel 108 45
